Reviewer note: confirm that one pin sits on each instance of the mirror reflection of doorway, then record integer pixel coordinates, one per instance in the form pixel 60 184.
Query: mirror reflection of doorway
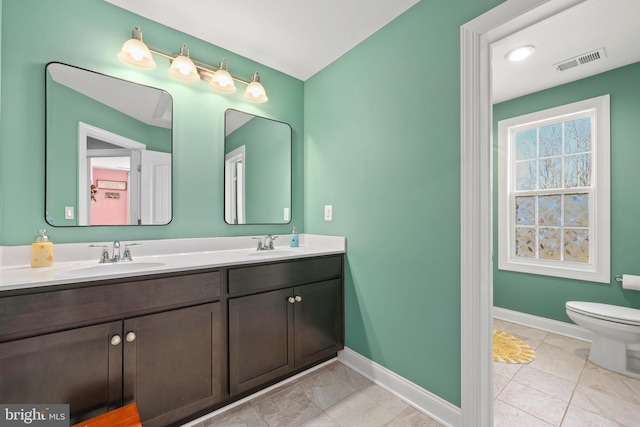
pixel 136 182
pixel 234 186
pixel 111 206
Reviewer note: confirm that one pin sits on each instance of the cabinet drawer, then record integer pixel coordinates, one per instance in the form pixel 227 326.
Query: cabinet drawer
pixel 284 274
pixel 22 315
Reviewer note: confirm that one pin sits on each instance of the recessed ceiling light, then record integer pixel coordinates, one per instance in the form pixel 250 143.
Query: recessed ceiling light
pixel 520 53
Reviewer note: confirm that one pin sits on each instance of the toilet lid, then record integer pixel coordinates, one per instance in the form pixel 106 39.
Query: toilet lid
pixel 612 313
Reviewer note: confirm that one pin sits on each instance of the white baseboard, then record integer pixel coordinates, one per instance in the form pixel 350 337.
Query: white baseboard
pixel 423 400
pixel 549 325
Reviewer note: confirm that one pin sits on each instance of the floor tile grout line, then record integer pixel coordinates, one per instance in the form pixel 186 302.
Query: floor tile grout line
pixel 573 392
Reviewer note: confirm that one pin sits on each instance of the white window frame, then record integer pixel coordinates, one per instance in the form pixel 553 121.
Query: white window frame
pixel 598 268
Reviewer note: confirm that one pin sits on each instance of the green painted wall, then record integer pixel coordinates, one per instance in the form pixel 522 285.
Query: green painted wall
pixel 382 145
pixel 267 180
pixel 543 295
pixel 88 34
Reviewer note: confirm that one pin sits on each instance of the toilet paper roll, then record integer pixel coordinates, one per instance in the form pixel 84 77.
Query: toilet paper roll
pixel 631 282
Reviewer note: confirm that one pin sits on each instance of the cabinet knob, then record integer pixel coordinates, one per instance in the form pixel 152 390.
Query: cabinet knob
pixel 298 298
pixel 291 300
pixel 131 337
pixel 115 340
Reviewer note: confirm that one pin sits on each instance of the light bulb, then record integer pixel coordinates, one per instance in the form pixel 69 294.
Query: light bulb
pixel 136 53
pixel 520 53
pixel 223 80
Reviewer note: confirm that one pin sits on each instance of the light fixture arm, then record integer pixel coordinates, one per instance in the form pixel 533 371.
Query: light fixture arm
pixel 204 70
pixel 135 52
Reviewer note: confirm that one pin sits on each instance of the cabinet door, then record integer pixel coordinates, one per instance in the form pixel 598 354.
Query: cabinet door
pixel 260 339
pixel 173 363
pixel 318 321
pixel 79 367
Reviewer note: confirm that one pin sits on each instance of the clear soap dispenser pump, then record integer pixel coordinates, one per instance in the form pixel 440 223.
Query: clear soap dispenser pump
pixel 294 240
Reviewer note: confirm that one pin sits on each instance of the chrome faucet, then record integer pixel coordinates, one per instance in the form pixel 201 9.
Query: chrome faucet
pixel 116 251
pixel 104 254
pixel 267 243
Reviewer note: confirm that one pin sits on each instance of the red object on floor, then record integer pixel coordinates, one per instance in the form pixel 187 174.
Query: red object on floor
pixel 127 416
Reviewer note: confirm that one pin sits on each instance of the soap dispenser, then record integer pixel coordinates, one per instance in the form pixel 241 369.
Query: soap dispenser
pixel 42 250
pixel 294 240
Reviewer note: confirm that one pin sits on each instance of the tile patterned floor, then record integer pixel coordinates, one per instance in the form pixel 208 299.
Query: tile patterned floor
pixel 560 387
pixel 332 396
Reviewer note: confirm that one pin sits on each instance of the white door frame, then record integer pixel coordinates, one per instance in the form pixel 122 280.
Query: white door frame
pixel 234 189
pixel 476 266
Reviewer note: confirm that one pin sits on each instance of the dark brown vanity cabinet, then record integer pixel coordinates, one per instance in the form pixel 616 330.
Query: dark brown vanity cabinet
pixel 76 366
pixel 178 344
pixel 172 367
pixel 276 328
pixel 159 343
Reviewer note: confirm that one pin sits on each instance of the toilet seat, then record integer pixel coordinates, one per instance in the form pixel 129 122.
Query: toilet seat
pixel 607 312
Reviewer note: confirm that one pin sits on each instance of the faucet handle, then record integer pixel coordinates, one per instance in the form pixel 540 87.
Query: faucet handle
pixel 126 256
pixel 104 255
pixel 259 239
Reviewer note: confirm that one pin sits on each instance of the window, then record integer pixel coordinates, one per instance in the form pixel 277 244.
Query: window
pixel 554 192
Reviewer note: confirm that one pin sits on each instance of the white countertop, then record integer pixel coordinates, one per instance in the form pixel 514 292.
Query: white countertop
pixel 77 262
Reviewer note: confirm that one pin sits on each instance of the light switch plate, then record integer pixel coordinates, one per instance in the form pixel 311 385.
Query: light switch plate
pixel 69 212
pixel 286 214
pixel 328 212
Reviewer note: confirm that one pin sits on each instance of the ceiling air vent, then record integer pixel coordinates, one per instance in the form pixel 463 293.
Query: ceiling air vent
pixel 581 60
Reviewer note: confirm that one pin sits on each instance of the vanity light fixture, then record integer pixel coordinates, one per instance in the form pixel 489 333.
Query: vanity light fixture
pixel 255 91
pixel 520 53
pixel 221 81
pixel 183 68
pixel 135 52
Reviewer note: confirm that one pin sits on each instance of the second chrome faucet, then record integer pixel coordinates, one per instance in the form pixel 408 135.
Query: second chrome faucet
pixel 265 243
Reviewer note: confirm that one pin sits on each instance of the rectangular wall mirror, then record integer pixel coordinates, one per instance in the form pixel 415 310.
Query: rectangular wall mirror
pixel 108 150
pixel 257 169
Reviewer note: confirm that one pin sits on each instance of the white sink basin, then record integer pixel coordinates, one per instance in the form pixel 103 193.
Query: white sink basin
pixel 109 268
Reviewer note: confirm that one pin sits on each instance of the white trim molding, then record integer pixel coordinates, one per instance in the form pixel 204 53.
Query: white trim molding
pixel 476 269
pixel 423 400
pixel 597 268
pixel 542 323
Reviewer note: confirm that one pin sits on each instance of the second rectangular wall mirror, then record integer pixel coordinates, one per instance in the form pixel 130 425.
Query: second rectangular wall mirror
pixel 257 169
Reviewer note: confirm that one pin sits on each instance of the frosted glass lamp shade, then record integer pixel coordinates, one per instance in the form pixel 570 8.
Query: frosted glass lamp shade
pixel 183 68
pixel 135 52
pixel 222 82
pixel 255 91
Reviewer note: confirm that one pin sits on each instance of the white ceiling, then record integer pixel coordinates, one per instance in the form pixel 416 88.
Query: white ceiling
pixel 296 37
pixel 595 24
pixel 149 105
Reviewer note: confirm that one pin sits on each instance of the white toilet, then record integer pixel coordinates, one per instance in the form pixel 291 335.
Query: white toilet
pixel 616 335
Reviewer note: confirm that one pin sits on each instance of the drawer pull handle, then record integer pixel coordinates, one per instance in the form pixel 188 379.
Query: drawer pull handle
pixel 298 298
pixel 115 340
pixel 291 300
pixel 131 337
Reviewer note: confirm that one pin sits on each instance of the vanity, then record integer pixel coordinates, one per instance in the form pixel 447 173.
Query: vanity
pixel 181 337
